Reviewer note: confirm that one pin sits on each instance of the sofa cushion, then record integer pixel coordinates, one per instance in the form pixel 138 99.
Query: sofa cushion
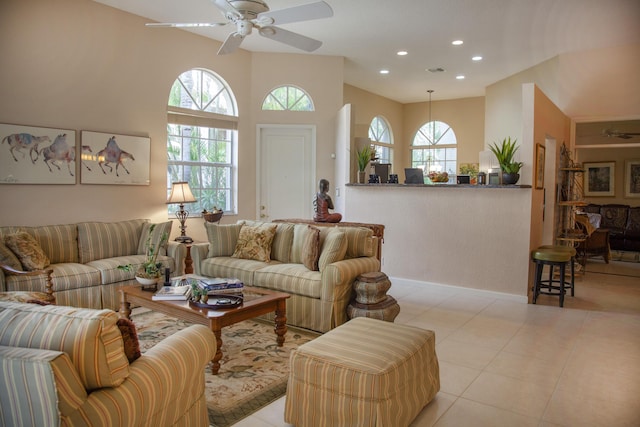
pixel 282 241
pixel 333 249
pixel 222 238
pixel 242 269
pixel 90 337
pixel 99 240
pixel 255 242
pixel 359 242
pixel 110 273
pixel 290 278
pixel 311 248
pixel 59 242
pixel 8 258
pixel 28 251
pixel 154 238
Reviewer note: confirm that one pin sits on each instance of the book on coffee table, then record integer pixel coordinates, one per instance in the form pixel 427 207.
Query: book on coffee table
pixel 172 293
pixel 217 285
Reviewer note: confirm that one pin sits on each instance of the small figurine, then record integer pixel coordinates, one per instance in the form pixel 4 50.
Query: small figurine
pixel 322 203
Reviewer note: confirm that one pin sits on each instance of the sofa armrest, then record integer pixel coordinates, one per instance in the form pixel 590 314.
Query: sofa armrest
pixel 178 252
pixel 43 384
pixel 164 384
pixel 46 273
pixel 199 253
pixel 337 283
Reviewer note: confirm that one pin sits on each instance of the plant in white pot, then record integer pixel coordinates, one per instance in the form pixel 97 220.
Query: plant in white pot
pixel 505 153
pixel 150 270
pixel 364 157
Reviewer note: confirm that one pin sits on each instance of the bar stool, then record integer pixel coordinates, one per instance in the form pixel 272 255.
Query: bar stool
pixel 553 258
pixel 573 253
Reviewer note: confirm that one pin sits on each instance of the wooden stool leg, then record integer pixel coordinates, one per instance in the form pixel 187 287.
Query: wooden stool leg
pixel 573 275
pixel 562 285
pixel 536 284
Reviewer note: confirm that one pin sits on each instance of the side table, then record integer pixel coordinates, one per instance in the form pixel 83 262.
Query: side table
pixel 188 261
pixel 371 298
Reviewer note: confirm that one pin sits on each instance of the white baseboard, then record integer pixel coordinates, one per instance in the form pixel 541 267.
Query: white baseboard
pixel 523 299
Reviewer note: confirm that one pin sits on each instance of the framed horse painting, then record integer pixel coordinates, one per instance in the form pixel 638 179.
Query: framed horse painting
pixel 108 158
pixel 37 155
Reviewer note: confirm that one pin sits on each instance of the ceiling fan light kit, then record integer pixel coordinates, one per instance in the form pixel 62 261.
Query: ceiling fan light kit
pixel 250 14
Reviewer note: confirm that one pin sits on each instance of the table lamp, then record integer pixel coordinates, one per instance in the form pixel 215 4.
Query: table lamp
pixel 181 193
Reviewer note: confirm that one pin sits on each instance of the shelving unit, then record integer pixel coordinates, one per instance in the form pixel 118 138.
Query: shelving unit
pixel 570 198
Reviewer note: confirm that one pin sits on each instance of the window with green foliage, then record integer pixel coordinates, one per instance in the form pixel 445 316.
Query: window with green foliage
pixel 202 140
pixel 288 98
pixel 434 148
pixel 381 139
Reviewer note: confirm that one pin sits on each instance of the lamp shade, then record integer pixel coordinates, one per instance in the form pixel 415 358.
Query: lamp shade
pixel 180 193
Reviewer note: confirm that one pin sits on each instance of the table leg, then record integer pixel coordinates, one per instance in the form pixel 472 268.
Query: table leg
pixel 125 307
pixel 215 363
pixel 281 322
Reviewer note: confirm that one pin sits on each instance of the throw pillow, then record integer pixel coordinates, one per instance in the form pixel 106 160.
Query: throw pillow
pixel 8 258
pixel 255 242
pixel 222 238
pixel 156 237
pixel 28 251
pixel 311 248
pixel 334 248
pixel 130 339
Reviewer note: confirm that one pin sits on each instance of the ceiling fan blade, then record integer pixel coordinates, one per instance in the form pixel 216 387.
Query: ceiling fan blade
pixel 184 24
pixel 226 8
pixel 231 44
pixel 306 12
pixel 292 39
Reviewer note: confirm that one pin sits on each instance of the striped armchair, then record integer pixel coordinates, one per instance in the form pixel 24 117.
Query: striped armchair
pixel 64 366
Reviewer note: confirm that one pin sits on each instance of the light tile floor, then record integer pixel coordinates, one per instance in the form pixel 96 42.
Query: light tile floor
pixel 504 363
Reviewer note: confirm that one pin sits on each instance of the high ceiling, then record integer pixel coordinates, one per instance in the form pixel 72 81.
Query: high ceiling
pixel 510 35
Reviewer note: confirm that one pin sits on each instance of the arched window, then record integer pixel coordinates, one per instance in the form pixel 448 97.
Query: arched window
pixel 381 139
pixel 202 140
pixel 288 98
pixel 434 148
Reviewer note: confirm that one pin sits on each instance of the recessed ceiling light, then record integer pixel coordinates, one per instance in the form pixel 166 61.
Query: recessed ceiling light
pixel 436 70
pixel 402 52
pixel 476 58
pixel 460 77
pixel 384 71
pixel 457 42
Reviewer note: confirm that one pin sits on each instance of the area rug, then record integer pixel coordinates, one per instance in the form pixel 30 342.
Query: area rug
pixel 253 369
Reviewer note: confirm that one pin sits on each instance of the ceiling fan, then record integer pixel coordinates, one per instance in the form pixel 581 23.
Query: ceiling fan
pixel 249 14
pixel 610 133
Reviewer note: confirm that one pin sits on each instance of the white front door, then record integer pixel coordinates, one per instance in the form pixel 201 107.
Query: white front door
pixel 286 172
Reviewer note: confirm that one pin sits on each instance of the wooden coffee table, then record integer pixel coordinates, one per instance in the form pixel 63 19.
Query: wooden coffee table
pixel 257 302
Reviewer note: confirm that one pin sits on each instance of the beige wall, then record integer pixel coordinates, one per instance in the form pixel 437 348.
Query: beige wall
pixel 464 115
pixel 619 156
pixel 80 65
pixel 366 106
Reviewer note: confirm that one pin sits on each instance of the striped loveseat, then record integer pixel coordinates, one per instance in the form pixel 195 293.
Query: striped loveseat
pixel 84 259
pixel 315 265
pixel 65 366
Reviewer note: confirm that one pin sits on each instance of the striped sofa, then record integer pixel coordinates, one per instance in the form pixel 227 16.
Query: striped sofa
pixel 66 366
pixel 319 296
pixel 84 260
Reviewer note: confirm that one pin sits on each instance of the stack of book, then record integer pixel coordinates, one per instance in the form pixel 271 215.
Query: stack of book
pixel 172 293
pixel 217 286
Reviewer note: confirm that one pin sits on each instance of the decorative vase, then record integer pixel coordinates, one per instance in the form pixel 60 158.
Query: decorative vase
pixel 510 178
pixel 362 176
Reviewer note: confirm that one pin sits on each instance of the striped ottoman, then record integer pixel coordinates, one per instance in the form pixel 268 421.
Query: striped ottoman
pixel 366 372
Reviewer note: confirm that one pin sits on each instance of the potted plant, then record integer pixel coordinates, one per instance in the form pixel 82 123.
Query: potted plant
pixel 150 270
pixel 504 153
pixel 364 157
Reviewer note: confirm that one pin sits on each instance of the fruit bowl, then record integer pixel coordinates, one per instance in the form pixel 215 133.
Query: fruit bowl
pixel 439 176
